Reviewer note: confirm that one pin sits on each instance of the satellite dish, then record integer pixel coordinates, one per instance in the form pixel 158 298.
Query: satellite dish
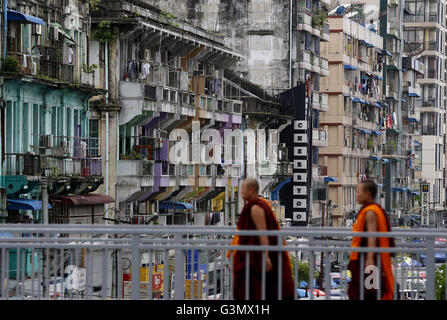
pixel 371 13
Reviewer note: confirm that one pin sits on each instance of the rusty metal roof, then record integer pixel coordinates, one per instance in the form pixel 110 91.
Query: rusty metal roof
pixel 83 200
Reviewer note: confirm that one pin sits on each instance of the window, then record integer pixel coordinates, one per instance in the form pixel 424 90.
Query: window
pixel 94 134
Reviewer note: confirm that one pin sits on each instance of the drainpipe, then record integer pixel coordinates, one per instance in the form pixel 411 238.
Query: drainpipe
pixel 106 86
pixel 290 44
pixel 5 27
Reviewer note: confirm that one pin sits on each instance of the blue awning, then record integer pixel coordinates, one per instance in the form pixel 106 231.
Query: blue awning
pixel 413 193
pixel 18 16
pixel 330 179
pixel 363 42
pixel 25 204
pixel 377 105
pixel 365 131
pixel 175 205
pixel 379 185
pixel 403 100
pixel 378 77
pixel 384 104
pixel 404 70
pixel 362 101
pixel 386 52
pixel 374 158
pixel 349 67
pixel 413 94
pixel 399 189
pixel 378 133
pixel 384 160
pixel 413 120
pixel 369 44
pixel 354 99
pixel 416 143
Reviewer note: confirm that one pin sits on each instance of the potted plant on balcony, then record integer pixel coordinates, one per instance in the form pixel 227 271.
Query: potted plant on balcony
pixel 90 71
pixel 319 18
pixel 11 64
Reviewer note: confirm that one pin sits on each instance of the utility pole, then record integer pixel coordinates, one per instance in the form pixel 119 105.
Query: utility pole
pixel 45 257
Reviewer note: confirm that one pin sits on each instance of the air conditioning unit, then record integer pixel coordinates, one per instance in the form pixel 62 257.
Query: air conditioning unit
pixel 150 92
pixel 37 29
pixel 46 141
pixel 67 10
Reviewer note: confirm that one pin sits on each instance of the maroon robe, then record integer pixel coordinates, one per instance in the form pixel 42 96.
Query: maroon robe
pixel 255 283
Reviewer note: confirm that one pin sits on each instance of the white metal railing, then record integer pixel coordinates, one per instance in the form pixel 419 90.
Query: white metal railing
pixel 172 262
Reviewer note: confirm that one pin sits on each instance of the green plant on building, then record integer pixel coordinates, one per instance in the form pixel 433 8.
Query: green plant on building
pixel 319 18
pixel 89 69
pixel 93 5
pixel 133 155
pixel 11 64
pixel 103 32
pixel 440 283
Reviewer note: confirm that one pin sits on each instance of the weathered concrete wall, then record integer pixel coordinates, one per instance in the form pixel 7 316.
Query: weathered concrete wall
pixel 259 28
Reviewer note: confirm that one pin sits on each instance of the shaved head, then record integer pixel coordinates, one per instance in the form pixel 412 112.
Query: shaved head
pixel 252 183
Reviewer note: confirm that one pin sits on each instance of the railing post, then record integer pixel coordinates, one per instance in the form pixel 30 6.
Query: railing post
pixel 179 271
pixel 136 266
pixel 430 263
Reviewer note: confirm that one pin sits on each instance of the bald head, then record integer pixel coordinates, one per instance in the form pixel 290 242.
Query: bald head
pixel 250 188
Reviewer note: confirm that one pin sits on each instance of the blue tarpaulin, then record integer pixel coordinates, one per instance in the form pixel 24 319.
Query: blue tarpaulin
pixel 18 16
pixel 399 189
pixel 349 67
pixel 25 204
pixel 413 94
pixel 175 205
pixel 386 52
pixel 378 77
pixel 413 120
pixel 330 179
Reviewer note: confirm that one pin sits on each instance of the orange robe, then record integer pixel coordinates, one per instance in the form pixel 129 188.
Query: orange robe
pixel 387 286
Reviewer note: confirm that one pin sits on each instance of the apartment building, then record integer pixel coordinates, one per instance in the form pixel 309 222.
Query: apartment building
pixel 258 29
pixel 424 26
pixel 167 74
pixel 47 92
pixel 353 122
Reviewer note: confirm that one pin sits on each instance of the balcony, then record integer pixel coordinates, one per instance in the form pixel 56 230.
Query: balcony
pixel 414 90
pixel 320 138
pixel 391 92
pixel 324 102
pixel 315 63
pixel 25 64
pixel 431 45
pixel 316 100
pixel 304 60
pixel 325 32
pixel 304 22
pixel 52 167
pixel 324 67
pixel 136 168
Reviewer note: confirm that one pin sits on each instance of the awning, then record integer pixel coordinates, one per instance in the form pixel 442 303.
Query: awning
pixel 349 67
pixel 18 16
pixel 363 42
pixel 369 45
pixel 354 99
pixel 362 101
pixel 385 52
pixel 83 200
pixel 374 158
pixel 379 185
pixel 403 100
pixel 169 205
pixel 365 131
pixel 384 104
pixel 413 94
pixel 377 133
pixel 384 160
pixel 413 120
pixel 378 77
pixel 25 204
pixel 330 179
pixel 399 189
pixel 377 105
pixel 416 143
pixel 139 196
pixel 413 193
pixel 61 30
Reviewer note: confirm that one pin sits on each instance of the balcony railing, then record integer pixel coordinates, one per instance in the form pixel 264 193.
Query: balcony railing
pixel 48 166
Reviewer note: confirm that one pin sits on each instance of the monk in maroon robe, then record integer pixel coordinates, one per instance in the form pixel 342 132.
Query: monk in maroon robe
pixel 257 214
